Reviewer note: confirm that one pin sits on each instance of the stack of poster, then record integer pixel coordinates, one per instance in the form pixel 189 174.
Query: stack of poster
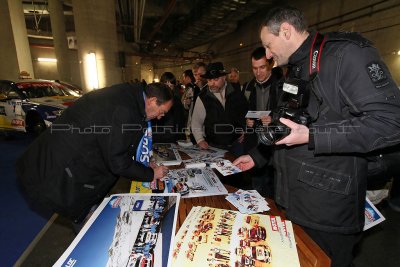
pixel 248 202
pixel 204 184
pixel 216 237
pixel 126 230
pixel 194 182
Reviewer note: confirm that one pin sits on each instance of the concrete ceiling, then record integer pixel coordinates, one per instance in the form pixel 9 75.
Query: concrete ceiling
pixel 159 26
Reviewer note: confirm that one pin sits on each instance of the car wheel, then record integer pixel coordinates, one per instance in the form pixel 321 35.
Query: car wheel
pixel 36 126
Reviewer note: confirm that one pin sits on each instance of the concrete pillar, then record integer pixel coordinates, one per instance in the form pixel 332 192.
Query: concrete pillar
pixel 95 27
pixel 9 69
pixel 57 20
pixel 15 52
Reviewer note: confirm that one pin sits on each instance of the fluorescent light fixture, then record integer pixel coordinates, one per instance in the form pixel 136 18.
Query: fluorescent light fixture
pixel 92 71
pixel 156 80
pixel 398 52
pixel 46 59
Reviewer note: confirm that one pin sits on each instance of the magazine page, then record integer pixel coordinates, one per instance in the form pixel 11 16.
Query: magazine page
pixel 225 167
pixel 126 230
pixel 156 186
pixel 166 154
pixel 217 237
pixel 196 152
pixel 194 182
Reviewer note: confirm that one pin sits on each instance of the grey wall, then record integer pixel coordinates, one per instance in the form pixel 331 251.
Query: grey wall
pixel 379 23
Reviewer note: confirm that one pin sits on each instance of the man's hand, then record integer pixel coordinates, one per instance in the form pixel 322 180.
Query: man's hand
pixel 244 162
pixel 159 172
pixel 266 120
pixel 299 134
pixel 249 122
pixel 203 144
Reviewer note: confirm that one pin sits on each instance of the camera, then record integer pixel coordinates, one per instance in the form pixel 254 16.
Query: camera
pixel 292 105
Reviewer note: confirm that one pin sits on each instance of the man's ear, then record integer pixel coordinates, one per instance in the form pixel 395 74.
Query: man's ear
pixel 286 30
pixel 152 99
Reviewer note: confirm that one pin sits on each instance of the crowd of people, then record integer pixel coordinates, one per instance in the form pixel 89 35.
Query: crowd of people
pixel 328 113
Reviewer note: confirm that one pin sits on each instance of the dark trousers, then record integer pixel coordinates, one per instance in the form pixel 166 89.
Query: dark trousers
pixel 339 247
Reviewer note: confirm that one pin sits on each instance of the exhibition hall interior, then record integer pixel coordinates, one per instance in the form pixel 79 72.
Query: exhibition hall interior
pixel 77 47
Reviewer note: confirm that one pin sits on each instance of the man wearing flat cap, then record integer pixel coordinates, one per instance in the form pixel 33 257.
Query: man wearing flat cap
pixel 219 113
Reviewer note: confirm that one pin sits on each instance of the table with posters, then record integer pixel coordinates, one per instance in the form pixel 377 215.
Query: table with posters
pixel 310 254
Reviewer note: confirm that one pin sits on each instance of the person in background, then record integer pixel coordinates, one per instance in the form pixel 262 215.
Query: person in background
pixel 351 106
pixel 233 78
pixel 263 90
pixel 191 91
pixel 170 128
pixel 73 165
pixel 198 69
pixel 218 115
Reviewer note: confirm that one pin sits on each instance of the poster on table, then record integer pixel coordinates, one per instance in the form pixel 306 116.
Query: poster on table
pixel 166 154
pixel 194 182
pixel 126 230
pixel 221 238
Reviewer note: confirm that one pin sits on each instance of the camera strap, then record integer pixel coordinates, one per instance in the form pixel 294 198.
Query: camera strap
pixel 315 53
pixel 315 57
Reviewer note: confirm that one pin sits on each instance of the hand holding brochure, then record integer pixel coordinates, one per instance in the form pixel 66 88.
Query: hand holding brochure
pixel 225 167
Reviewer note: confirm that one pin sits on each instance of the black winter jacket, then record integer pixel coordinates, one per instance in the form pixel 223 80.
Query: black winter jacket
pixel 74 164
pixel 322 184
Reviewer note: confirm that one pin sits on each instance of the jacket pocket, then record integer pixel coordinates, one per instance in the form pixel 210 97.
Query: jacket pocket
pixel 325 179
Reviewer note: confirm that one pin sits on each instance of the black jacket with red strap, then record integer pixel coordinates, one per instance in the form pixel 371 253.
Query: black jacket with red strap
pixel 355 105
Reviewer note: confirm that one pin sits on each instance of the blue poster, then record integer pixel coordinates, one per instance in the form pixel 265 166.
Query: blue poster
pixel 126 230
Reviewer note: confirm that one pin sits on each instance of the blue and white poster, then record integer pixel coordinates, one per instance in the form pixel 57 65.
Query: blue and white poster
pixel 126 230
pixel 372 215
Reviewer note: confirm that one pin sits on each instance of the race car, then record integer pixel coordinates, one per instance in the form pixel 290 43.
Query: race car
pixel 32 105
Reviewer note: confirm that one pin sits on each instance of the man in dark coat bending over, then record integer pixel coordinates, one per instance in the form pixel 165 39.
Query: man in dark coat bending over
pixel 104 135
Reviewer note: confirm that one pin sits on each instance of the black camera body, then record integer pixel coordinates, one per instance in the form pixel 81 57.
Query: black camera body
pixel 293 104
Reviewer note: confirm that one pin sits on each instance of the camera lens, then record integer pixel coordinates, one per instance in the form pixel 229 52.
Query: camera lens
pixel 273 133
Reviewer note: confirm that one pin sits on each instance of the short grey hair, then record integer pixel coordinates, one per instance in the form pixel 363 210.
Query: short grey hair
pixel 279 15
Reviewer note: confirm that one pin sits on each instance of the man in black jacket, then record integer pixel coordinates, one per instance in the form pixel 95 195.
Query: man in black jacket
pixel 353 108
pixel 74 164
pixel 263 93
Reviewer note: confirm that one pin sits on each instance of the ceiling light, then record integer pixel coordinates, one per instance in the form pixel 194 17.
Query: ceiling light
pixel 398 52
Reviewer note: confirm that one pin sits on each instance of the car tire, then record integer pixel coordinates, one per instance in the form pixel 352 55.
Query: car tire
pixel 36 126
